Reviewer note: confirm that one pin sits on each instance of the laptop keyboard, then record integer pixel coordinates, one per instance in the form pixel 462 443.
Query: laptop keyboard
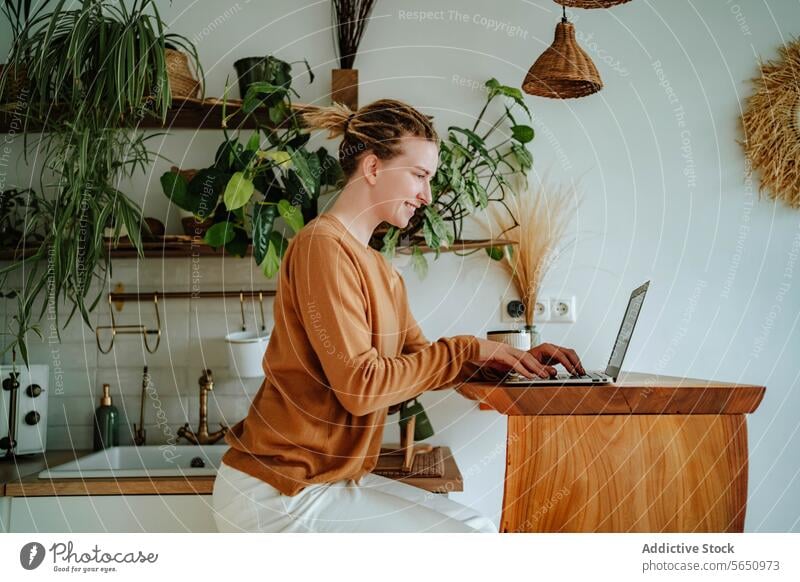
pixel 563 376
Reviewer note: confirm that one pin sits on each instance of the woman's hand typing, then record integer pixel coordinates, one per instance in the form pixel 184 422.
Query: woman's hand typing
pixel 537 362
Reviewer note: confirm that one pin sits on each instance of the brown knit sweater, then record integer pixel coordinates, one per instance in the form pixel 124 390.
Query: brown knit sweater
pixel 345 347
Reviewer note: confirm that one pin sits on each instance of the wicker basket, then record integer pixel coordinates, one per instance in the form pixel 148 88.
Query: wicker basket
pixel 181 79
pixel 15 83
pixel 564 70
pixel 590 3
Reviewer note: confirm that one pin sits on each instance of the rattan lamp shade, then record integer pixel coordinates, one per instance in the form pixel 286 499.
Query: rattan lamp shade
pixel 590 3
pixel 564 70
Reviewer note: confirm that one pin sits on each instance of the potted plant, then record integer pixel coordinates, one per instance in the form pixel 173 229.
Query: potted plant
pixel 16 229
pixel 350 19
pixel 269 69
pixel 537 219
pixel 14 77
pixel 102 65
pixel 250 185
pixel 473 173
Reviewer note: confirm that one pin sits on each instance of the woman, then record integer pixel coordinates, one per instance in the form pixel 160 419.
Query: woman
pixel 345 348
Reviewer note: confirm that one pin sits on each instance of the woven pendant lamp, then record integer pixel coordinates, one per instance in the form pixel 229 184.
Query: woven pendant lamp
pixel 590 3
pixel 564 70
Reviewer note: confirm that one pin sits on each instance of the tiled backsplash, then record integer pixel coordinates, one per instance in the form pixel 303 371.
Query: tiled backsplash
pixel 192 339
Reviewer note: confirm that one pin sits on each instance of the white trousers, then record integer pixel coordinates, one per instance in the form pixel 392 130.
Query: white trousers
pixel 245 503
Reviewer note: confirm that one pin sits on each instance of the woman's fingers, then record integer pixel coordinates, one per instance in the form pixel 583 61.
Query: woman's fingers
pixel 554 354
pixel 570 362
pixel 525 364
pixel 576 361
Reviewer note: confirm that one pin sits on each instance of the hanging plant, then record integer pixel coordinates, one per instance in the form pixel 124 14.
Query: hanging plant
pixel 95 71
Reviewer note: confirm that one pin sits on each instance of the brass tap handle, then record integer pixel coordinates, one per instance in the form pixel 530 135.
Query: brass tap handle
pixel 206 381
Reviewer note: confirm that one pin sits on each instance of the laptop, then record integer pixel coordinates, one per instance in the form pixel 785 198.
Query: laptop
pixel 611 372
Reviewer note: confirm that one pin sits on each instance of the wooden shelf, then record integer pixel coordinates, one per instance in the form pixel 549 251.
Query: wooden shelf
pixel 180 246
pixel 462 245
pixel 184 114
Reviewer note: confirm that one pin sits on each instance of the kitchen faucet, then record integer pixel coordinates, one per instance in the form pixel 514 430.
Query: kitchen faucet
pixel 202 436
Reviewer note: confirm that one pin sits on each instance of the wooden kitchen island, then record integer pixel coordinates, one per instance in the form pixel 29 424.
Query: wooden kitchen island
pixel 646 454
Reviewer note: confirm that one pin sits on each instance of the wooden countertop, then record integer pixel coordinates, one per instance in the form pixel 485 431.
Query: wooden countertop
pixel 633 393
pixel 20 479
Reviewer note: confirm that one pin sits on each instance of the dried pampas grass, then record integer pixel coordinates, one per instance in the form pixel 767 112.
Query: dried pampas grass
pixel 770 124
pixel 537 218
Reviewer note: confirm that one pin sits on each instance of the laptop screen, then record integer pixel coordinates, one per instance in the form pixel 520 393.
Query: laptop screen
pixel 626 330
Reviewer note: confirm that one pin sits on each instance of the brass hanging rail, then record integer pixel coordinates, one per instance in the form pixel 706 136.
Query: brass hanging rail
pixel 118 298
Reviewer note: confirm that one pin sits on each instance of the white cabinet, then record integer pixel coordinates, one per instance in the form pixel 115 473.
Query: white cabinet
pixel 5 510
pixel 110 513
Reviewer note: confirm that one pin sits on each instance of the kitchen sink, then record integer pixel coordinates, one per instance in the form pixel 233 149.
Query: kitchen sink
pixel 144 461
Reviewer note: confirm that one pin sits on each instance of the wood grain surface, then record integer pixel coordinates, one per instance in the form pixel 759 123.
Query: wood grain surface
pixel 626 473
pixel 633 393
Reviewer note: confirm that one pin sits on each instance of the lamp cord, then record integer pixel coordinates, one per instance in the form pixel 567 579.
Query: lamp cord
pixel 564 17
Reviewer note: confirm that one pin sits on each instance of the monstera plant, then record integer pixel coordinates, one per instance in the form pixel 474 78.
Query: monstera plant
pixel 248 186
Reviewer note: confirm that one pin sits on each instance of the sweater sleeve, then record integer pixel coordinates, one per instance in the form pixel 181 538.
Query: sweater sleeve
pixel 333 306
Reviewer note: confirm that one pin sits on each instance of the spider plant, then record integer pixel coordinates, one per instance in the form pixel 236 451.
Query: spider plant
pixel 95 70
pixel 100 60
pixel 19 14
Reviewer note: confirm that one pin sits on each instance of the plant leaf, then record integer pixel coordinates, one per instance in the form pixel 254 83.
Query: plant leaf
pixel 275 251
pixel 419 262
pixel 205 191
pixel 238 191
pixel 291 214
pixel 522 133
pixel 390 242
pixel 523 156
pixel 253 143
pixel 495 89
pixel 438 229
pixel 263 220
pixel 495 253
pixel 176 188
pixel 220 234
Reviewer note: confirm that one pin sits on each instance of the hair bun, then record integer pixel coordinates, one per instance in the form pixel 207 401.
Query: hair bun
pixel 347 121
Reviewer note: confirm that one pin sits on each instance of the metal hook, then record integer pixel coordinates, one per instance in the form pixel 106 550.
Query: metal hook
pixel 241 306
pixel 261 307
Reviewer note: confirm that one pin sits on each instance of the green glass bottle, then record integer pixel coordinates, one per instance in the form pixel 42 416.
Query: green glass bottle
pixel 106 423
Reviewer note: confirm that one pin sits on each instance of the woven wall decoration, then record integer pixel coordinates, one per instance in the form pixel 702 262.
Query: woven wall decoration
pixel 771 128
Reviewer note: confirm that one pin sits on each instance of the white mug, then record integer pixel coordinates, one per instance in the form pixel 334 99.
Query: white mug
pixel 518 338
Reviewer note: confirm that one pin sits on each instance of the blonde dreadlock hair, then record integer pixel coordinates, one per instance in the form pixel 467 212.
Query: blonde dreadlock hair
pixel 377 127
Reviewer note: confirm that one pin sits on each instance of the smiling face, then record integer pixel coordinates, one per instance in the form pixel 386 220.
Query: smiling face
pixel 401 184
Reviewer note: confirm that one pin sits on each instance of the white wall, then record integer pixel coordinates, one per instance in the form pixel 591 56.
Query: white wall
pixel 665 199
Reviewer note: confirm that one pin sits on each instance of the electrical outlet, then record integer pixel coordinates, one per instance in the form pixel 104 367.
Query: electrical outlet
pixel 562 310
pixel 512 310
pixel 541 311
